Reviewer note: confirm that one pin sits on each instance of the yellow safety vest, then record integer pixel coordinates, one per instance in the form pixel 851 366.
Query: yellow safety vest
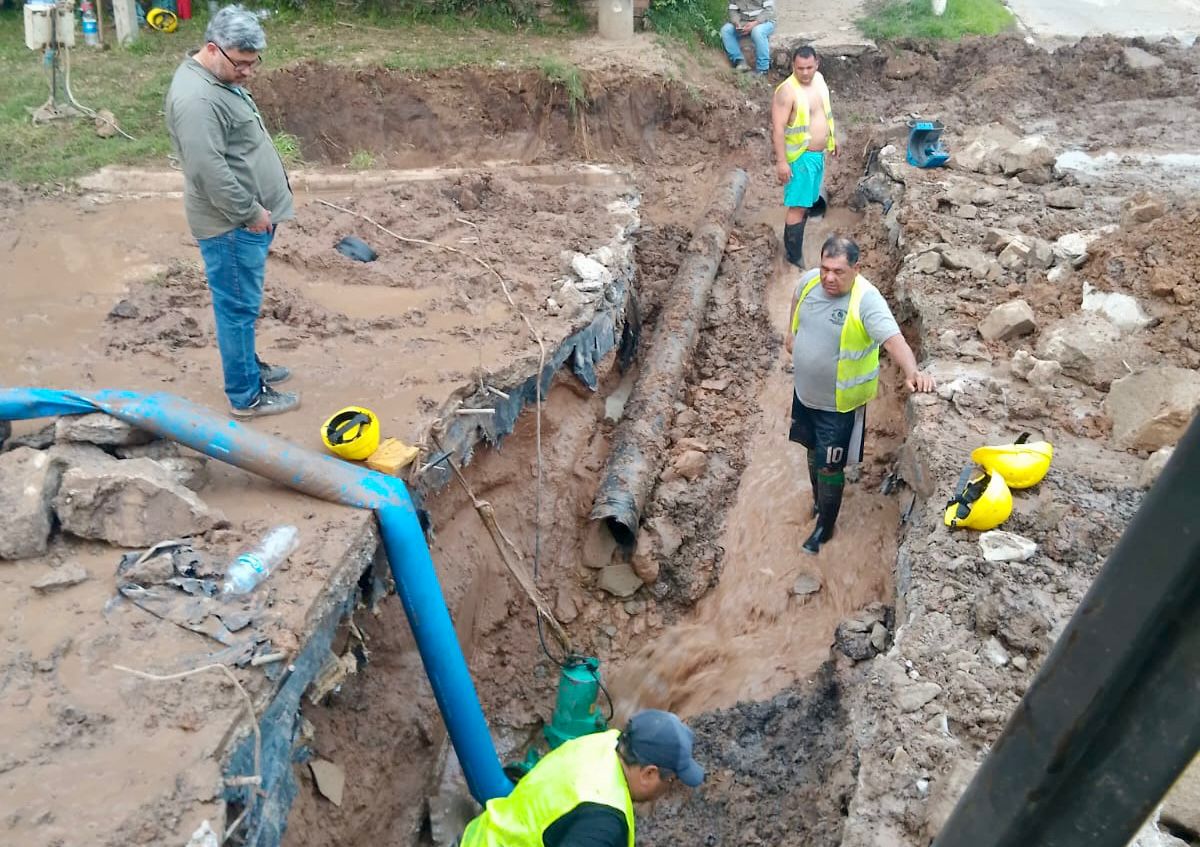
pixel 796 135
pixel 583 770
pixel 858 355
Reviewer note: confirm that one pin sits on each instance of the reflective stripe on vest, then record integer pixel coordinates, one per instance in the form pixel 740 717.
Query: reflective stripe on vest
pixel 858 353
pixel 796 134
pixel 583 770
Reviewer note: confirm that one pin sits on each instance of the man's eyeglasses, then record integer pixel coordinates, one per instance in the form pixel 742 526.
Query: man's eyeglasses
pixel 239 66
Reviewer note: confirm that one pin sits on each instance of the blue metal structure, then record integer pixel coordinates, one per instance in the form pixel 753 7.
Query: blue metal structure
pixel 925 147
pixel 330 479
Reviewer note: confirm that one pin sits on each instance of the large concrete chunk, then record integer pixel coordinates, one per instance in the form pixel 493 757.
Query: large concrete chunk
pixel 985 148
pixel 28 481
pixel 1151 409
pixel 1123 311
pixel 1181 809
pixel 1008 320
pixel 1028 154
pixel 1089 347
pixel 101 429
pixel 131 503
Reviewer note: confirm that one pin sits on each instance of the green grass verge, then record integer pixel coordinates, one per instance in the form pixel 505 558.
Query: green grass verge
pixel 892 19
pixel 694 22
pixel 132 82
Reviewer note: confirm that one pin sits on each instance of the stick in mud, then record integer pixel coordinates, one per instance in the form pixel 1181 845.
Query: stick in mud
pixel 635 459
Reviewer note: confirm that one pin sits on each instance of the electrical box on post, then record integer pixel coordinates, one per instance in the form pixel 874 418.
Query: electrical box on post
pixel 42 30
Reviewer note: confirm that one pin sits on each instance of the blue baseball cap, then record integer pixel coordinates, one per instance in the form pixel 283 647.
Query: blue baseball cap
pixel 654 737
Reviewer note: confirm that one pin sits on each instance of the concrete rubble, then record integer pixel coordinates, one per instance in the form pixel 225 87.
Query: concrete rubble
pixel 28 482
pixel 1151 409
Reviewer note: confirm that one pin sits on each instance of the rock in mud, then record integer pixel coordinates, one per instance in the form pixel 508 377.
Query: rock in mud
pixel 944 794
pixel 1141 209
pixel 1181 809
pixel 646 566
pixel 913 696
pixel 189 471
pixel 1151 409
pixel 964 258
pixel 928 263
pixel 994 652
pixel 879 637
pixel 1138 59
pixel 1089 347
pixel 39 439
pixel 985 148
pixel 1008 320
pixel 1018 622
pixel 1154 466
pixel 1123 311
pixel 806 584
pixel 619 579
pixel 1029 154
pixel 1070 197
pixel 690 464
pixel 593 276
pixel 159 449
pixel 598 545
pixel 1072 248
pixel 59 578
pixel 28 482
pixel 100 429
pixel 852 642
pixel 131 503
pixel 1000 546
pixel 1037 372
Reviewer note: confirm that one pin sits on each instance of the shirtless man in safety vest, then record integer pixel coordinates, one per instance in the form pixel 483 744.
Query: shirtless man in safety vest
pixel 802 132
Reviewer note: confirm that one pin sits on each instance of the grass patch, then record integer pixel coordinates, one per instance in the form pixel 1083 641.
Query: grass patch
pixel 566 75
pixel 361 160
pixel 694 22
pixel 892 19
pixel 288 147
pixel 132 82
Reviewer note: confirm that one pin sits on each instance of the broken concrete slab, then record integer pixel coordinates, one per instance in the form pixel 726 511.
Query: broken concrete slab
pixel 984 148
pixel 806 584
pixel 619 579
pixel 1140 60
pixel 944 795
pixel 28 482
pixel 330 780
pixel 1037 372
pixel 1181 808
pixel 1072 248
pixel 159 449
pixel 189 471
pixel 1151 409
pixel 909 698
pixel 1153 467
pixel 1123 311
pixel 100 429
pixel 1089 347
pixel 1028 154
pixel 928 262
pixel 1008 320
pixel 59 578
pixel 131 503
pixel 994 652
pixel 1141 209
pixel 1000 546
pixel 1069 197
pixel 964 258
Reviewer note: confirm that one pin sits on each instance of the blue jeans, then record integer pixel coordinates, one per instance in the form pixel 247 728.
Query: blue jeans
pixel 762 49
pixel 235 263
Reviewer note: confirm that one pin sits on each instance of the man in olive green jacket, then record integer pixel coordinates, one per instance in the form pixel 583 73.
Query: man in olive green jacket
pixel 235 194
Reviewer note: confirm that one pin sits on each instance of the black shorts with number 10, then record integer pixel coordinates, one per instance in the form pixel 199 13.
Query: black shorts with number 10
pixel 836 438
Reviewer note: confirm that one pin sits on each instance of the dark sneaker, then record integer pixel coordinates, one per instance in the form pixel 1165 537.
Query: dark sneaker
pixel 819 536
pixel 273 374
pixel 269 402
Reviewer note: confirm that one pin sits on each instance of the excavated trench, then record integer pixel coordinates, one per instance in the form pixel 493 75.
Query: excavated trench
pixel 799 744
pixel 719 630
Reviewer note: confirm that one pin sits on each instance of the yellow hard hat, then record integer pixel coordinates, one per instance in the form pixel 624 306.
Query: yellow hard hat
pixel 982 501
pixel 352 433
pixel 163 20
pixel 1022 464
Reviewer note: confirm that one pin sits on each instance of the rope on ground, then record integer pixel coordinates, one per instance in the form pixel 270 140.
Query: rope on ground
pixel 544 610
pixel 255 780
pixel 92 113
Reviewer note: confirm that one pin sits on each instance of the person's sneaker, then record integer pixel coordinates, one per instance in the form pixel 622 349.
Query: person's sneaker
pixel 740 65
pixel 269 402
pixel 761 73
pixel 273 374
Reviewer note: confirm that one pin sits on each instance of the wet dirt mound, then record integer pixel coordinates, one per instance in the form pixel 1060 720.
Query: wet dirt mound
pixel 778 772
pixel 477 114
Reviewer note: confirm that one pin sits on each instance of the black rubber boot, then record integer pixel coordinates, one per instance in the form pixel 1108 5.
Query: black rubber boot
pixel 830 485
pixel 793 242
pixel 812 478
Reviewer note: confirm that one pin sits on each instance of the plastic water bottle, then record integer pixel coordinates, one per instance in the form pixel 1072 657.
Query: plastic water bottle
pixel 91 32
pixel 257 563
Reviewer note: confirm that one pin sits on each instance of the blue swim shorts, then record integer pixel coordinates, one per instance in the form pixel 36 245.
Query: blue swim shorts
pixel 808 172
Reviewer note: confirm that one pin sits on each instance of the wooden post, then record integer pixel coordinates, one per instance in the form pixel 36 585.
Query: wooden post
pixel 125 17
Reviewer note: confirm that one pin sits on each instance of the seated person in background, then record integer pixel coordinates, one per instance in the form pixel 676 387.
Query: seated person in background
pixel 753 18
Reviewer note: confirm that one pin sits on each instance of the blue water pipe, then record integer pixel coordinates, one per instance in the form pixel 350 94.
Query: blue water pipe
pixel 331 479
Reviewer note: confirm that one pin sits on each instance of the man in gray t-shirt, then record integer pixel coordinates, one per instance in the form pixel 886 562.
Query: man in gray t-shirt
pixel 828 407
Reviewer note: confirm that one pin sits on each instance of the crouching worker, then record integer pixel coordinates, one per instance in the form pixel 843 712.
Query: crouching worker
pixel 582 793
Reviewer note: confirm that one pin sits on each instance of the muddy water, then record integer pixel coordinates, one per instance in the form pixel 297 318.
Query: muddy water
pixel 751 637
